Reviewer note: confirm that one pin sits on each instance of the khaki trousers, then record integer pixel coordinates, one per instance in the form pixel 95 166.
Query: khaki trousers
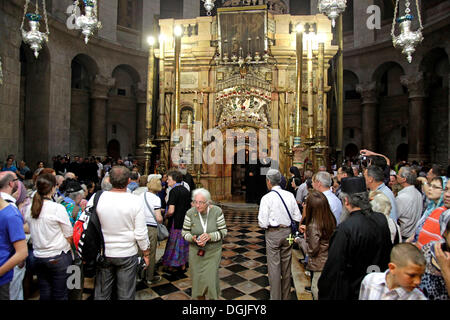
pixel 314 281
pixel 279 258
pixel 153 237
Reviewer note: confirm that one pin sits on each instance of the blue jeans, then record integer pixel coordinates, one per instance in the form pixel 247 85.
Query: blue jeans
pixel 52 276
pixel 122 272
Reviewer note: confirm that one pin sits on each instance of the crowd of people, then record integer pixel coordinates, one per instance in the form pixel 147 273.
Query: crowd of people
pixel 368 230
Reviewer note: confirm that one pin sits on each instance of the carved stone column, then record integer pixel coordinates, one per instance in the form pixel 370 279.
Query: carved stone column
pixel 416 116
pixel 141 102
pixel 369 114
pixel 99 100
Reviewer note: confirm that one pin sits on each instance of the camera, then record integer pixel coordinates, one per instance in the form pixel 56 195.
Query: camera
pixel 141 268
pixel 445 247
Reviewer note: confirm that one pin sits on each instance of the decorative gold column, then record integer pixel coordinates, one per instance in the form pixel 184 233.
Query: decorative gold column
pixel 320 146
pixel 298 88
pixel 310 136
pixel 148 116
pixel 177 33
pixel 340 93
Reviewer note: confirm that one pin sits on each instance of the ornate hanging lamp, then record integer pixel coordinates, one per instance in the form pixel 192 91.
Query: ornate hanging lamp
pixel 87 22
pixel 407 39
pixel 34 37
pixel 332 8
pixel 209 6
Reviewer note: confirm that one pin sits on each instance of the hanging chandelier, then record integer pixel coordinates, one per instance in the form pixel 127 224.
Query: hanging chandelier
pixel 407 39
pixel 87 22
pixel 209 6
pixel 332 8
pixel 34 37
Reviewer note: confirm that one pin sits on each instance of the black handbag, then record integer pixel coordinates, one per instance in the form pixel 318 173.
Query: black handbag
pixel 294 224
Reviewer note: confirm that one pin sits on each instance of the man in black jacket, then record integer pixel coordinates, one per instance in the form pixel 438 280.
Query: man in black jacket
pixel 360 244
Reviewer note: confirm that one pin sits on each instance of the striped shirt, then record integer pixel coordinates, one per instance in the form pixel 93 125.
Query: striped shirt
pixel 374 287
pixel 216 227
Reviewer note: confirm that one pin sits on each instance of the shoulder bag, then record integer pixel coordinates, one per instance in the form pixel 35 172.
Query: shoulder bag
pixel 163 233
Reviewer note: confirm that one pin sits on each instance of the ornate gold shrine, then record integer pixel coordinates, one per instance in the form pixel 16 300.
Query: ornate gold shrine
pixel 238 71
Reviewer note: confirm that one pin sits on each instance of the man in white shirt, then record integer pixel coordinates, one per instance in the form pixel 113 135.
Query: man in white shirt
pixel 409 202
pixel 275 219
pixel 401 280
pixel 322 182
pixel 122 219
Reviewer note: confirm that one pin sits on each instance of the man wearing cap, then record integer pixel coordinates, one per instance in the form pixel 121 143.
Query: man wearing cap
pixel 274 218
pixel 360 244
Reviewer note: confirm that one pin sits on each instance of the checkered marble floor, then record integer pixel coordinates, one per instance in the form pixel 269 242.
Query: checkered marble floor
pixel 242 272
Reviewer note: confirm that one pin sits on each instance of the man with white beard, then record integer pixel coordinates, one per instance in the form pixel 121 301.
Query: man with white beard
pixel 186 175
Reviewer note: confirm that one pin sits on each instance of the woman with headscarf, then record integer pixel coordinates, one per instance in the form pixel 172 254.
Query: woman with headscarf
pixel 427 229
pixel 434 285
pixel 295 173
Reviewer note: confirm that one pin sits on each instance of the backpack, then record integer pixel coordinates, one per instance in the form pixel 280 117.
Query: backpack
pixel 88 238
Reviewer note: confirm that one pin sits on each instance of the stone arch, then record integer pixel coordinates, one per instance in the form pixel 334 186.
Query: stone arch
pixel 387 77
pixel 84 70
pixel 350 82
pixel 351 151
pixel 127 79
pixel 436 70
pixel 34 113
pixel 436 67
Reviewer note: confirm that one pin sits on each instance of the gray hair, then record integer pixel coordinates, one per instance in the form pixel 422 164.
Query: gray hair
pixel 409 174
pixel 358 200
pixel 106 185
pixel 205 193
pixel 324 178
pixel 308 174
pixel 376 173
pixel 59 179
pixel 74 195
pixel 274 176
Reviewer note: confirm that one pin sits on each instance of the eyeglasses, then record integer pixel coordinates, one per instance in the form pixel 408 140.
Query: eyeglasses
pixel 199 202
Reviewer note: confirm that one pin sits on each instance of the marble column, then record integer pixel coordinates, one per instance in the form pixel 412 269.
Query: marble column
pixel 99 101
pixel 141 104
pixel 416 116
pixel 369 114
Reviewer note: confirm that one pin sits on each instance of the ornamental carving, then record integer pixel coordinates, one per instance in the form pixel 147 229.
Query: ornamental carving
pixel 274 6
pixel 415 84
pixel 368 91
pixel 243 106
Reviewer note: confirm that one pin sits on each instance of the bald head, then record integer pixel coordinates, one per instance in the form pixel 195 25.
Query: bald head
pixel 8 182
